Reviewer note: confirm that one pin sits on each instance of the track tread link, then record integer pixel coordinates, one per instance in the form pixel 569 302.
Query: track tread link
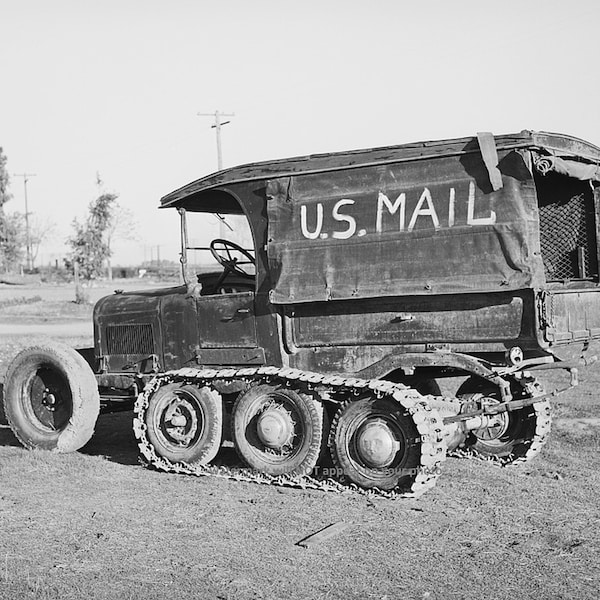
pixel 427 421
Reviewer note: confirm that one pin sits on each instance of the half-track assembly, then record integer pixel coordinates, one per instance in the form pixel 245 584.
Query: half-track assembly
pixel 360 281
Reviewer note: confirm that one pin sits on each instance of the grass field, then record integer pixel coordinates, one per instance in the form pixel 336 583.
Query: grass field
pixel 95 524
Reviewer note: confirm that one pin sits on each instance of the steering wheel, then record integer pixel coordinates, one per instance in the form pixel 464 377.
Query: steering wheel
pixel 232 257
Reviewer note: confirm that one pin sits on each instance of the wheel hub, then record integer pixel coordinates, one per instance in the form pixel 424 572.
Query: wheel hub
pixel 376 444
pixel 275 427
pixel 181 422
pixel 49 399
pixel 178 421
pixel 495 426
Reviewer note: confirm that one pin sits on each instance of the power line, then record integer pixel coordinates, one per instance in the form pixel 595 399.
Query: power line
pixel 26 177
pixel 217 126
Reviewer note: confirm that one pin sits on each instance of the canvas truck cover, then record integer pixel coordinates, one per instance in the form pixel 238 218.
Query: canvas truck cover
pixel 432 226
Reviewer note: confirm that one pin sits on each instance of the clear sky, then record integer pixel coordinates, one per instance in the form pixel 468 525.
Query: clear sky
pixel 114 87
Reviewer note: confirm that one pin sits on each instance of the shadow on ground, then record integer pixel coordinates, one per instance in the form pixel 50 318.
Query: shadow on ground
pixel 114 439
pixel 7 437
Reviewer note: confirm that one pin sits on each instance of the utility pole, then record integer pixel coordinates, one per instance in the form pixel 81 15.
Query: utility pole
pixel 26 177
pixel 217 126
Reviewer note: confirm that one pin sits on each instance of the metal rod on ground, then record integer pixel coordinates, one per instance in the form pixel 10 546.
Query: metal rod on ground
pixel 323 534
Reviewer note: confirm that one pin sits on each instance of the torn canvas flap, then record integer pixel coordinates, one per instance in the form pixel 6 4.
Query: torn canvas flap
pixel 570 168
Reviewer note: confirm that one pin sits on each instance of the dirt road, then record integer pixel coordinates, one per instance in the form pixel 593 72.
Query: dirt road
pixel 55 330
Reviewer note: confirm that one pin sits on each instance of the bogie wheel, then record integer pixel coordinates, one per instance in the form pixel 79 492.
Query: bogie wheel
pixel 51 398
pixel 509 437
pixel 375 443
pixel 277 430
pixel 185 423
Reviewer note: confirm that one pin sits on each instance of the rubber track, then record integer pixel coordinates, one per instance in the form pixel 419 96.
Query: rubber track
pixel 427 421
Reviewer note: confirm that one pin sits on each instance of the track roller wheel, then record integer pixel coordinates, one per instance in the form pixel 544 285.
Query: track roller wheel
pixel 277 430
pixel 511 437
pixel 185 423
pixel 51 399
pixel 375 442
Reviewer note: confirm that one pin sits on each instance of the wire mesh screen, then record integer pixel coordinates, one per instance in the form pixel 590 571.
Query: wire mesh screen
pixel 130 339
pixel 567 236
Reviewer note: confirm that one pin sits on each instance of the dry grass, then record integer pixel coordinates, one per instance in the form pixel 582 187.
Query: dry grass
pixel 56 303
pixel 97 525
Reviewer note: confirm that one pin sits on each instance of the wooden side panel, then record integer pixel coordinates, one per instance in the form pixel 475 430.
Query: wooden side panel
pixel 573 315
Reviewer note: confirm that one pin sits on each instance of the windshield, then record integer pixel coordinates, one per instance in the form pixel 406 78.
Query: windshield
pixel 217 242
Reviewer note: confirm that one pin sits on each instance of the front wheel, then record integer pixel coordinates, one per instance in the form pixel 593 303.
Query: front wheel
pixel 185 423
pixel 51 399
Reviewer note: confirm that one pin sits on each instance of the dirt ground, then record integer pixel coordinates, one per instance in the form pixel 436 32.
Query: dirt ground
pixel 96 524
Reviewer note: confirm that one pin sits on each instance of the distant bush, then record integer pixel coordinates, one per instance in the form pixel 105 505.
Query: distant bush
pixel 55 275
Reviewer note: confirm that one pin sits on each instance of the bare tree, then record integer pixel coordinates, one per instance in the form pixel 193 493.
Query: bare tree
pixel 122 225
pixel 40 231
pixel 12 241
pixel 5 196
pixel 89 248
pixel 12 228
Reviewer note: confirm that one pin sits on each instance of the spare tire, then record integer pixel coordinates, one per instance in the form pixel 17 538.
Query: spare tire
pixel 51 398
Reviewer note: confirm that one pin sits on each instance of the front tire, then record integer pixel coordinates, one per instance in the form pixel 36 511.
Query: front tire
pixel 51 398
pixel 185 423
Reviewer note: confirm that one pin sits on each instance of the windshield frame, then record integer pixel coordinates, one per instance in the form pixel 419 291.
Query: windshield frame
pixel 186 247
